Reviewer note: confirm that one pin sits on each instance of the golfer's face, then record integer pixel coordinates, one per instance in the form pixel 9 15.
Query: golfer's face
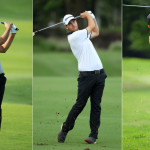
pixel 72 26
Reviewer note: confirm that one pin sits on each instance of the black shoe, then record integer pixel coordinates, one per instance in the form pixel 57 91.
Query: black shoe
pixel 61 136
pixel 90 140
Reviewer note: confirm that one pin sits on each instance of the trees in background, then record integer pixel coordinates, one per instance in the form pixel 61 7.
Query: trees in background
pixel 135 30
pixel 108 12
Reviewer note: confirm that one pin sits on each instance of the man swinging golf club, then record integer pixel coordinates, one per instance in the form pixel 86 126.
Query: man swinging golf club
pixel 91 80
pixel 5 42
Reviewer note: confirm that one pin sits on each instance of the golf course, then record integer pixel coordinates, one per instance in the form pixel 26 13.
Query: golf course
pixel 16 131
pixel 136 93
pixel 55 92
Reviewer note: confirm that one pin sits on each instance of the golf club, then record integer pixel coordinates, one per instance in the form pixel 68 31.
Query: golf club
pixel 135 5
pixel 148 19
pixel 52 26
pixel 1 22
pixel 12 24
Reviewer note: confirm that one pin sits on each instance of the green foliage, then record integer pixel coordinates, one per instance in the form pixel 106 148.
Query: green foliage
pixel 54 10
pixel 139 35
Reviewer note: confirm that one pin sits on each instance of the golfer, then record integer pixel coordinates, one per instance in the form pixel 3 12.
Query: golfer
pixel 91 80
pixel 5 42
pixel 148 20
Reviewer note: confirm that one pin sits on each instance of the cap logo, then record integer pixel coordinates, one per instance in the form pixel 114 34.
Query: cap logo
pixel 68 17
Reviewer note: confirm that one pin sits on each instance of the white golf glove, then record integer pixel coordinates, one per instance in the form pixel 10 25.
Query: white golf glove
pixel 13 29
pixel 92 15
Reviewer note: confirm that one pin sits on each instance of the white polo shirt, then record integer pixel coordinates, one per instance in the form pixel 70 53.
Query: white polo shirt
pixel 1 69
pixel 84 51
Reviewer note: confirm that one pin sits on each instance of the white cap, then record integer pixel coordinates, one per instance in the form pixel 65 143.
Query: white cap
pixel 67 18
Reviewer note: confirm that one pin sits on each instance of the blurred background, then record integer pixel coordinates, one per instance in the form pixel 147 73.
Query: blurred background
pixel 136 75
pixel 16 131
pixel 135 30
pixel 55 74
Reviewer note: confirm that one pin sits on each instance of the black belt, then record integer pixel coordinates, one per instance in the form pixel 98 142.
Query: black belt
pixel 93 72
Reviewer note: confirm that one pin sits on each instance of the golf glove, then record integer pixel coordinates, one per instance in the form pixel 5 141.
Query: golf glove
pixel 13 29
pixel 92 15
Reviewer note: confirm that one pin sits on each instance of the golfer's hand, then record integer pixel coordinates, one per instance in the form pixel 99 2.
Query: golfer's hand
pixel 13 29
pixel 92 15
pixel 85 14
pixel 7 25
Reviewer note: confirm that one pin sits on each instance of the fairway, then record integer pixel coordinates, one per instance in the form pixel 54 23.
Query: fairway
pixel 16 132
pixel 53 99
pixel 136 104
pixel 55 92
pixel 16 128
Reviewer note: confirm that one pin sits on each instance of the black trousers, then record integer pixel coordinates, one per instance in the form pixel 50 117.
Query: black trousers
pixel 2 89
pixel 89 85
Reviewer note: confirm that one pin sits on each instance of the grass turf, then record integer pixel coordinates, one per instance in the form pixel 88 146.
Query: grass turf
pixel 136 122
pixel 16 127
pixel 53 99
pixel 65 64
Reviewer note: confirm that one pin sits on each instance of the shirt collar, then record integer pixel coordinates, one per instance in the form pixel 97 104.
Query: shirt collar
pixel 69 33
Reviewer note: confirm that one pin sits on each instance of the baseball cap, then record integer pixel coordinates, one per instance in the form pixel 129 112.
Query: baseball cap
pixel 67 18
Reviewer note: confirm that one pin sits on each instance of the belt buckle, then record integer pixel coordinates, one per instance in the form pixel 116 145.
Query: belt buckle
pixel 97 71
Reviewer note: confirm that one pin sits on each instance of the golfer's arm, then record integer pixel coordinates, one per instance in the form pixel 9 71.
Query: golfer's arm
pixel 95 31
pixel 4 37
pixel 6 45
pixel 91 24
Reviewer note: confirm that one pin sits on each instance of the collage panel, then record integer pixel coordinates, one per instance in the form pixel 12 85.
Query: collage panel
pixel 74 75
pixel 136 75
pixel 16 75
pixel 65 55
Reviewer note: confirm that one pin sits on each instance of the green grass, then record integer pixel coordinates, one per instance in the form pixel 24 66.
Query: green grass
pixel 16 10
pixel 16 127
pixel 53 99
pixel 16 132
pixel 48 62
pixel 136 122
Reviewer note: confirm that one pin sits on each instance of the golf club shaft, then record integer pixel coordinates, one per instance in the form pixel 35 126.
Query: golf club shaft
pixel 4 23
pixel 48 27
pixel 135 5
pixel 53 25
pixel 1 22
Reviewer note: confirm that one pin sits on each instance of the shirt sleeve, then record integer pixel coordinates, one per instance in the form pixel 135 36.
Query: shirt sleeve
pixel 81 34
pixel 89 35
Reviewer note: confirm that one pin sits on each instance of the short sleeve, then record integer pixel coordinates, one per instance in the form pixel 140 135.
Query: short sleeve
pixel 81 34
pixel 89 35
